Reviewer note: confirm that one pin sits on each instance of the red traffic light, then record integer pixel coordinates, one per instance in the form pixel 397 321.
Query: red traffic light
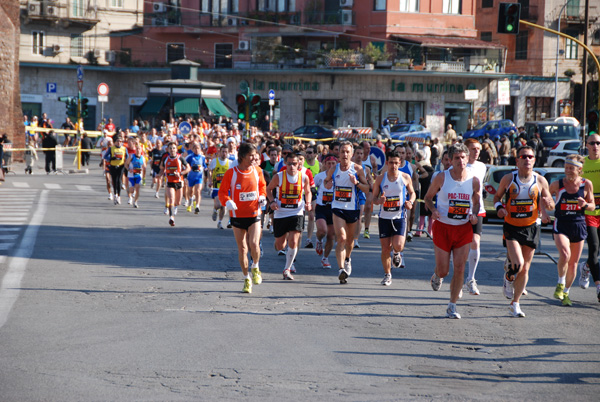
pixel 254 99
pixel 240 99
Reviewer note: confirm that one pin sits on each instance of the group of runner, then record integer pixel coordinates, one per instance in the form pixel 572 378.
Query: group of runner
pixel 260 181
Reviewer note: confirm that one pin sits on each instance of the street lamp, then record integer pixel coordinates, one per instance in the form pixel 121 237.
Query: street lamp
pixel 557 53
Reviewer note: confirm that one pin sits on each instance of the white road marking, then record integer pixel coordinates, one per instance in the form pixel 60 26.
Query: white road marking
pixel 52 186
pixel 9 229
pixel 8 237
pixel 7 219
pixel 83 188
pixel 19 184
pixel 11 283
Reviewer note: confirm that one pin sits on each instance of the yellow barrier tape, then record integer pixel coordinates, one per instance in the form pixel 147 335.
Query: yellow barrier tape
pixel 46 149
pixel 62 131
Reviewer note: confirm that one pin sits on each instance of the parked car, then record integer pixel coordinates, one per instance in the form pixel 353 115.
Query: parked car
pixel 494 174
pixel 495 128
pixel 562 149
pixel 551 132
pixel 401 131
pixel 316 131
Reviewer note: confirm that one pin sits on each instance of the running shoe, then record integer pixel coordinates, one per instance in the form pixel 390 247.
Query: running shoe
pixel 130 200
pixel 472 287
pixel 185 203
pixel 396 260
pixel 319 247
pixel 135 205
pixel 174 211
pixel 256 276
pixel 166 211
pixel 172 222
pixel 247 286
pixel 118 199
pixel 436 282
pixel 229 225
pixel 366 235
pixel 515 310
pixel 219 225
pixel 110 196
pixel 348 266
pixel 402 261
pixel 409 236
pixel 293 268
pixel 122 186
pixel 287 275
pixel 214 215
pixel 197 211
pixel 156 195
pixel 308 244
pixel 356 245
pixel 566 301
pixel 508 288
pixel 342 276
pixel 387 280
pixel 584 275
pixel 189 208
pixel 452 313
pixel 325 263
pixel 559 291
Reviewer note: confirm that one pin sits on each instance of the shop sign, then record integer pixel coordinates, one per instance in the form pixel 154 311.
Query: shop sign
pixel 285 85
pixel 419 87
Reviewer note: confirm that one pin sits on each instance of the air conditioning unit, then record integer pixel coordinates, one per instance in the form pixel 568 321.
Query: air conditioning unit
pixel 110 56
pixel 244 45
pixel 34 9
pixel 346 17
pixel 232 21
pixel 50 10
pixel 97 53
pixel 346 3
pixel 57 49
pixel 159 22
pixel 159 7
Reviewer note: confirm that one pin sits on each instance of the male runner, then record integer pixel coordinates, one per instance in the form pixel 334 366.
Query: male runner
pixel 311 163
pixel 369 164
pixel 116 156
pixel 197 163
pixel 521 230
pixel 457 197
pixel 174 167
pixel 346 178
pixel 218 167
pixel 136 168
pixel 323 215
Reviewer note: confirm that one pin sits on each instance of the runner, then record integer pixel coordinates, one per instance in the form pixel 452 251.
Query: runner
pixel 293 197
pixel 323 215
pixel 218 167
pixel 136 168
pixel 115 157
pixel 478 169
pixel 268 167
pixel 357 158
pixel 243 190
pixel 156 156
pixel 311 163
pixel 591 167
pixel 369 164
pixel 174 167
pixel 197 164
pixel 346 178
pixel 457 197
pixel 521 230
pixel 106 167
pixel 390 191
pixel 574 195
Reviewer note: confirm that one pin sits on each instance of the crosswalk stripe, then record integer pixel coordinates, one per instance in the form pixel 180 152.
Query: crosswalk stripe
pixel 19 184
pixel 9 229
pixel 83 188
pixel 8 237
pixel 15 214
pixel 8 220
pixel 52 186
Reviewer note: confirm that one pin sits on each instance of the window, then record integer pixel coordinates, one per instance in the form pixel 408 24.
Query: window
pixel 521 45
pixel 116 3
pixel 380 5
pixel 175 51
pixel 223 55
pixel 76 45
pixel 486 36
pixel 409 6
pixel 487 3
pixel 596 38
pixel 38 38
pixel 452 6
pixel 78 8
pixel 524 8
pixel 266 5
pixel 570 45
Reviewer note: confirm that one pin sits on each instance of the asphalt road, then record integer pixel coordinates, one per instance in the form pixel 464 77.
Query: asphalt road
pixel 110 303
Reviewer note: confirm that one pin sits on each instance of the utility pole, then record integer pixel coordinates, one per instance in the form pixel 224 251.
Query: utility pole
pixel 585 65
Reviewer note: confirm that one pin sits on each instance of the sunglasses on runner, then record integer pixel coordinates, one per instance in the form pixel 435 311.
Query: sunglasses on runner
pixel 594 143
pixel 526 156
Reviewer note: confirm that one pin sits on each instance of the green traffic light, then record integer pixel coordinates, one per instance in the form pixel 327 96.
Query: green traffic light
pixel 510 27
pixel 242 116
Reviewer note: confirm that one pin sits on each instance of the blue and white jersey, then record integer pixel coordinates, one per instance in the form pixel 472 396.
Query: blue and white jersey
pixel 197 164
pixel 407 168
pixel 136 166
pixel 345 193
pixel 395 197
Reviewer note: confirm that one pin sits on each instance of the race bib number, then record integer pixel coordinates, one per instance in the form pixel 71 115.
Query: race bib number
pixel 289 201
pixel 458 209
pixel 327 197
pixel 597 200
pixel 570 207
pixel 249 196
pixel 343 194
pixel 391 204
pixel 521 209
pixel 219 177
pixel 137 171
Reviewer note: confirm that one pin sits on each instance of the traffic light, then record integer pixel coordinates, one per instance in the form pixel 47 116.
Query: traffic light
pixel 241 101
pixel 67 100
pixel 254 106
pixel 509 15
pixel 592 120
pixel 84 107
pixel 72 108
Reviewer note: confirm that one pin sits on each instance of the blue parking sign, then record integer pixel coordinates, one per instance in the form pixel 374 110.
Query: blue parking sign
pixel 51 87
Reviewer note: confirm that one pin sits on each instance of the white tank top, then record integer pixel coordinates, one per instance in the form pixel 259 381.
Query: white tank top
pixel 345 194
pixel 395 196
pixel 289 209
pixel 324 196
pixel 478 170
pixel 454 200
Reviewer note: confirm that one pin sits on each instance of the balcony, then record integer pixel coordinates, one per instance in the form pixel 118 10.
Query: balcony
pixel 575 14
pixel 67 13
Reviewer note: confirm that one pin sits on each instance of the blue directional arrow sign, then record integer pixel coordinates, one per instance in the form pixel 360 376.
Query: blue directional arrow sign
pixel 379 156
pixel 79 73
pixel 185 128
pixel 272 95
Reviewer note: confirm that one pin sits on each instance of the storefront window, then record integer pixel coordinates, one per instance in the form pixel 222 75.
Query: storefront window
pixel 457 114
pixel 375 112
pixel 371 113
pixel 322 112
pixel 538 108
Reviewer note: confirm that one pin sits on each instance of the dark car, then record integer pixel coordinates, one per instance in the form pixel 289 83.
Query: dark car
pixel 551 132
pixel 495 128
pixel 401 131
pixel 316 132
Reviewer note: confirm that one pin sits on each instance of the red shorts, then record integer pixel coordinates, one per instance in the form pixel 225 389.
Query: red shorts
pixel 592 221
pixel 448 237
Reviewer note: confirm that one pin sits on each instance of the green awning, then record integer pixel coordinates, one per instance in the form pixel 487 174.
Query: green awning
pixel 217 107
pixel 153 105
pixel 187 106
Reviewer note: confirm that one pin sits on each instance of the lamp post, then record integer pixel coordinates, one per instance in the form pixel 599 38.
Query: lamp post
pixel 557 53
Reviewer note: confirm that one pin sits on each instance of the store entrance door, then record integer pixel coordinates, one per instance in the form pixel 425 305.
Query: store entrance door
pixel 457 114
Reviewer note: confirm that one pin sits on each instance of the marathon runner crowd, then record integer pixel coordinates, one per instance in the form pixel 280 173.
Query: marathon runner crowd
pixel 333 187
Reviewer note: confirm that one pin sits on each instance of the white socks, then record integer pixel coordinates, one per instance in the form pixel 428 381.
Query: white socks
pixel 473 261
pixel 562 280
pixel 289 257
